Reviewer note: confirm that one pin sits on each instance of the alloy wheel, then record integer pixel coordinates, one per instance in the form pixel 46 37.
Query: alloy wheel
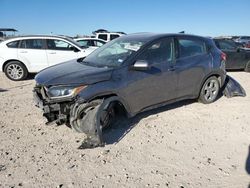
pixel 211 90
pixel 15 71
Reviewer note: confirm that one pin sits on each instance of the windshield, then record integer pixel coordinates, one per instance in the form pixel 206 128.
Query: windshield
pixel 114 53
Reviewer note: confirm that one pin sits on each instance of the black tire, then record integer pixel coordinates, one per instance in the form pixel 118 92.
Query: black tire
pixel 247 68
pixel 210 90
pixel 88 118
pixel 85 117
pixel 15 71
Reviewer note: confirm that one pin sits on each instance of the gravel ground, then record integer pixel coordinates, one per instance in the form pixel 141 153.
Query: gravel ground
pixel 186 144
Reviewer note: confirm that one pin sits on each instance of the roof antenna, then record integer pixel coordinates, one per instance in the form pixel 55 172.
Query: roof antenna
pixel 182 32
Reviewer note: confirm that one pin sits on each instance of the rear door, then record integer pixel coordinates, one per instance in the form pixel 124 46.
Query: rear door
pixel 59 51
pixel 32 52
pixel 191 63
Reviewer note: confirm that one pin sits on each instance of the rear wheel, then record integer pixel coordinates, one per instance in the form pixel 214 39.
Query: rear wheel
pixel 247 68
pixel 16 71
pixel 210 90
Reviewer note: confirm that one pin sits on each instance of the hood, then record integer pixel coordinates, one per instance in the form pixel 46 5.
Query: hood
pixel 72 72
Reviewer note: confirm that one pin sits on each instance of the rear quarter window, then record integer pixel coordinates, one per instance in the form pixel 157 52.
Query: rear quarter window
pixel 13 44
pixel 190 47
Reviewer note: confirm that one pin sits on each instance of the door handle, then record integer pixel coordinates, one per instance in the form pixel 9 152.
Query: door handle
pixel 23 52
pixel 52 52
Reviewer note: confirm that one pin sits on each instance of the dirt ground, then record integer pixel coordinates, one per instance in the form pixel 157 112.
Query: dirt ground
pixel 186 144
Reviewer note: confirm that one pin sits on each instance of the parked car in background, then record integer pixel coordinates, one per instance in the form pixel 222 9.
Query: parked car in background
pixel 247 45
pixel 107 35
pixel 29 54
pixel 131 74
pixel 90 42
pixel 243 39
pixel 237 57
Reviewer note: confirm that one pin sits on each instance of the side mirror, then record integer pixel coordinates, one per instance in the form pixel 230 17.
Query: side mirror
pixel 80 59
pixel 140 65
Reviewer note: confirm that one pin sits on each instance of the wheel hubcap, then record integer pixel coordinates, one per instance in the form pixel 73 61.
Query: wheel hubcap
pixel 15 71
pixel 211 90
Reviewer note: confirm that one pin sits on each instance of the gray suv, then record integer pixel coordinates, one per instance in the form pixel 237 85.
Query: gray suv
pixel 129 75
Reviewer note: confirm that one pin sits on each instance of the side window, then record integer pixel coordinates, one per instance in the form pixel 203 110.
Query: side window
pixel 160 51
pixel 83 43
pixel 32 44
pixel 98 43
pixel 189 47
pixel 224 45
pixel 58 45
pixel 91 43
pixel 103 36
pixel 112 37
pixel 13 44
pixel 245 38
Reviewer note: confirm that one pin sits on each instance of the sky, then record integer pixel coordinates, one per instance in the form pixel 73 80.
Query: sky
pixel 72 17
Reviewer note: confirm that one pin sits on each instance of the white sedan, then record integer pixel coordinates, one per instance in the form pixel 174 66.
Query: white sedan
pixel 30 54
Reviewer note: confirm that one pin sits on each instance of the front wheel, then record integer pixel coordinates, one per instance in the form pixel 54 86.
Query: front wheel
pixel 210 90
pixel 92 118
pixel 15 71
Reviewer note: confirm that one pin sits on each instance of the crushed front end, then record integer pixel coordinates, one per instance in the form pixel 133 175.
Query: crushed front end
pixel 66 108
pixel 55 110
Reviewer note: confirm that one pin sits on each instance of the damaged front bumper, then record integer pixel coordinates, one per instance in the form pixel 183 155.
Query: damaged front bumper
pixel 65 111
pixel 55 111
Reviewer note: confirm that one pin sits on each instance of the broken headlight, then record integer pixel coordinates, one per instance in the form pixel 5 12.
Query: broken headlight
pixel 63 91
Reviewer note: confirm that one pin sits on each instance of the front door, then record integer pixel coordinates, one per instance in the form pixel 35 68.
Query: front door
pixel 59 51
pixel 156 85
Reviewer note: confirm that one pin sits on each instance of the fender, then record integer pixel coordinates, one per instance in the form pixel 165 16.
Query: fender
pixel 214 73
pixel 110 97
pixel 2 68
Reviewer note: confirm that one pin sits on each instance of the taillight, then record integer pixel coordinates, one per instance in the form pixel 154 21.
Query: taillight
pixel 223 56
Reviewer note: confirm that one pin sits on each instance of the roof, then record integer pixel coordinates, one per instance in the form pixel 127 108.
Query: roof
pixel 41 36
pixel 106 31
pixel 37 36
pixel 152 36
pixel 88 38
pixel 8 29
